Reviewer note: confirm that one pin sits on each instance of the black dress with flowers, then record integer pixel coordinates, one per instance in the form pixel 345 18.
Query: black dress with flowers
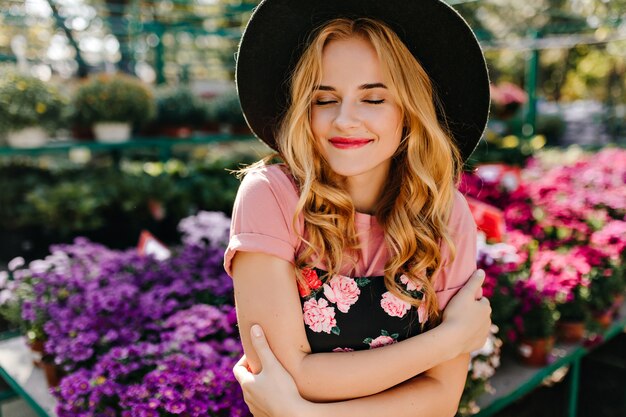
pixel 356 313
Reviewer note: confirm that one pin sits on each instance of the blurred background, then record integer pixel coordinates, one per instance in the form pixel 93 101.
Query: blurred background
pixel 121 116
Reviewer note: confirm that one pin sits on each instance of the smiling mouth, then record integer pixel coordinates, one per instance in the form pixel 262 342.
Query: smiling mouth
pixel 349 143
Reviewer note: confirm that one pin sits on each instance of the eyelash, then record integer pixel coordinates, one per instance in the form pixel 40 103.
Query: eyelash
pixel 323 103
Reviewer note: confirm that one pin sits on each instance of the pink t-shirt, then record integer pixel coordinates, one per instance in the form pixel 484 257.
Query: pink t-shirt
pixel 263 222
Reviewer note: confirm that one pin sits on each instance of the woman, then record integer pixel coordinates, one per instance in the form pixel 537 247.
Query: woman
pixel 346 254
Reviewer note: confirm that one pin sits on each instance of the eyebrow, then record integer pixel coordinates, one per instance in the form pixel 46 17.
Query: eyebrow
pixel 361 87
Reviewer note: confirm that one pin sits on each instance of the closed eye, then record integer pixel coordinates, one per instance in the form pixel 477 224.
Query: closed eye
pixel 324 102
pixel 374 101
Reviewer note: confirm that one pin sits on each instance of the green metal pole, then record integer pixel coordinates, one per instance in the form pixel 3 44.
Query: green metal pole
pixel 573 387
pixel 532 68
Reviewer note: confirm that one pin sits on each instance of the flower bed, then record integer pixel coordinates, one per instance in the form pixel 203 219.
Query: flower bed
pixel 159 337
pixel 564 255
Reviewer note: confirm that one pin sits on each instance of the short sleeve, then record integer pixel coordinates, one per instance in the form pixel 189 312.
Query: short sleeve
pixel 262 216
pixel 463 231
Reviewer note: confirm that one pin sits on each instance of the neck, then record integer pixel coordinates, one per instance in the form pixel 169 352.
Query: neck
pixel 365 191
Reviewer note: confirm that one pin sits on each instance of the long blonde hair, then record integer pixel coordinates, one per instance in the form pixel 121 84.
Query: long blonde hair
pixel 417 199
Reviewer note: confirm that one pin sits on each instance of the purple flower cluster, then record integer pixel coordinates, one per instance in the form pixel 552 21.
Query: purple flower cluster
pixel 94 303
pixel 205 228
pixel 169 378
pixel 138 336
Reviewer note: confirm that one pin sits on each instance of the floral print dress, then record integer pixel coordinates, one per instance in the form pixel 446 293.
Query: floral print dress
pixel 355 313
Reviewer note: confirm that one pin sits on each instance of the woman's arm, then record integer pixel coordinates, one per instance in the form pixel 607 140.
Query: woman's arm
pixel 270 298
pixel 273 392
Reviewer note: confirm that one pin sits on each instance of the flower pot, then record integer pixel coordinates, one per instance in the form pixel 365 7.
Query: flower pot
pixel 112 132
pixel 570 331
pixel 53 373
pixel 29 137
pixel 535 352
pixel 37 350
pixel 603 318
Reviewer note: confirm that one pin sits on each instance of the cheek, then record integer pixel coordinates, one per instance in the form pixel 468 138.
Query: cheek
pixel 319 122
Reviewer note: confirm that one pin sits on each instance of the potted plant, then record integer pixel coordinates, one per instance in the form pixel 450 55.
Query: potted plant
pixel 30 109
pixel 606 283
pixel 535 323
pixel 21 304
pixel 178 111
pixel 573 315
pixel 112 105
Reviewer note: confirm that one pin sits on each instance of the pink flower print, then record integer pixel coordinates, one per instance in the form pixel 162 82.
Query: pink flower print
pixel 340 349
pixel 410 285
pixel 422 314
pixel 383 340
pixel 319 316
pixel 342 291
pixel 394 306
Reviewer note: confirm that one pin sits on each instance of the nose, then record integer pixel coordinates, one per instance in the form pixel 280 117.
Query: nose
pixel 347 116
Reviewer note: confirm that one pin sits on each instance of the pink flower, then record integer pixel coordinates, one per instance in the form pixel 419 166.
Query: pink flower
pixel 422 314
pixel 319 316
pixel 410 285
pixel 382 341
pixel 342 291
pixel 394 306
pixel 340 349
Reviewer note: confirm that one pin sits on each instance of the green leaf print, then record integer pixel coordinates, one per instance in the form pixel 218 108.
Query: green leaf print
pixel 335 330
pixel 362 282
pixel 384 333
pixel 368 340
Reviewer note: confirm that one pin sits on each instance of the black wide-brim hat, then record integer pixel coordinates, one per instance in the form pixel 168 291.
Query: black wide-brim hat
pixel 434 32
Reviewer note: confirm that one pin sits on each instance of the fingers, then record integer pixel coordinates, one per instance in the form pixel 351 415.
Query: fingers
pixel 241 371
pixel 261 347
pixel 474 284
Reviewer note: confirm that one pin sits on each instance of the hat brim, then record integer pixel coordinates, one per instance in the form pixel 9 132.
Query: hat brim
pixel 435 33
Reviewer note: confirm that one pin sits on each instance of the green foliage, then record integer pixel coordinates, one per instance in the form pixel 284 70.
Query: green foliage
pixel 26 101
pixel 179 106
pixel 110 205
pixel 540 321
pixel 113 98
pixel 576 310
pixel 226 109
pixel 605 285
pixel 67 206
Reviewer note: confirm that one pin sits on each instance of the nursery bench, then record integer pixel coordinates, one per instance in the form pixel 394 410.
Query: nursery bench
pixel 24 378
pixel 513 380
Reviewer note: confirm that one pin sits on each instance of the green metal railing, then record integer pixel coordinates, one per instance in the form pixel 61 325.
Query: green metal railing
pixel 163 145
pixel 572 360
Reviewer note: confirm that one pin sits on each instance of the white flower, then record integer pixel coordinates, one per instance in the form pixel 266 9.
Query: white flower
pixel 16 263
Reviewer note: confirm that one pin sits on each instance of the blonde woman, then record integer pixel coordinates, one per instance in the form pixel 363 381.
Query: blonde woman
pixel 349 255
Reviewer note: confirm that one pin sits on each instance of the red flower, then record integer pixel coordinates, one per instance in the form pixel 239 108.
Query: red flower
pixel 312 282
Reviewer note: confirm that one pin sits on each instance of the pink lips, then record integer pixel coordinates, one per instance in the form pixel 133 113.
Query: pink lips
pixel 348 143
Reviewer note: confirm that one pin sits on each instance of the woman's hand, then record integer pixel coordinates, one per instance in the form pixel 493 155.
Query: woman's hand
pixel 469 314
pixel 272 392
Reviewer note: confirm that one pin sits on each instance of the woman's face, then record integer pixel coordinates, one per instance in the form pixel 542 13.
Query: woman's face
pixel 354 116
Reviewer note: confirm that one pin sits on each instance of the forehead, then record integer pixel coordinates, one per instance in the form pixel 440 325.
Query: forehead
pixel 351 61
